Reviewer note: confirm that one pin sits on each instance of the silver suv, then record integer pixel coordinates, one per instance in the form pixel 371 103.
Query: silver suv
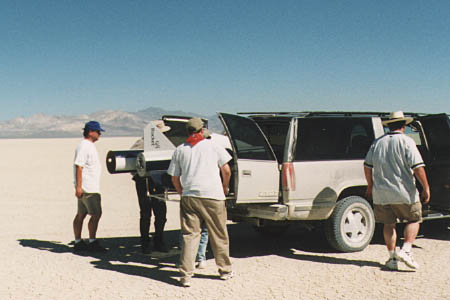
pixel 304 167
pixel 308 166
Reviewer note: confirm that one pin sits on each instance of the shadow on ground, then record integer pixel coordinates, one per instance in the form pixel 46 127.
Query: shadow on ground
pixel 124 256
pixel 298 243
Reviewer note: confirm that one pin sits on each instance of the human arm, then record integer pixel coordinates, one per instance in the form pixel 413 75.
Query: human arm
pixel 226 174
pixel 422 177
pixel 177 184
pixel 78 183
pixel 369 179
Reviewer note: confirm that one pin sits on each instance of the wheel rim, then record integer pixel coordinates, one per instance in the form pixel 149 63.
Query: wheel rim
pixel 356 225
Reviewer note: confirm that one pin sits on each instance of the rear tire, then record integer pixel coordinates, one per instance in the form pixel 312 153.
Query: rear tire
pixel 351 226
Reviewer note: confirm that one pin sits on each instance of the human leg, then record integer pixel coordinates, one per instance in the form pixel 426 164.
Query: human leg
pixel 145 213
pixel 390 236
pixel 92 202
pixel 94 245
pixel 410 233
pixel 404 255
pixel 413 214
pixel 160 211
pixel 79 218
pixel 79 245
pixel 93 225
pixel 191 229
pixel 201 253
pixel 384 214
pixel 390 239
pixel 78 225
pixel 215 216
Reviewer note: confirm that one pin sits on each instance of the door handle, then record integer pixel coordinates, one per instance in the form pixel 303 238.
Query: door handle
pixel 247 172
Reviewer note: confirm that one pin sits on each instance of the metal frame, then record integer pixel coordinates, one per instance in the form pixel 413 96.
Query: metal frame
pixel 328 114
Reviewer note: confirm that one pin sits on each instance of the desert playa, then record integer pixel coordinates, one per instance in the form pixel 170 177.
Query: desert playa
pixel 38 206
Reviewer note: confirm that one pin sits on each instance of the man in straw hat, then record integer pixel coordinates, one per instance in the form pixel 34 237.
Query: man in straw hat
pixel 195 169
pixel 389 167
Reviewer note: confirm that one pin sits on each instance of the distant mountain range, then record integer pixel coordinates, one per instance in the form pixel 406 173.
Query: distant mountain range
pixel 115 122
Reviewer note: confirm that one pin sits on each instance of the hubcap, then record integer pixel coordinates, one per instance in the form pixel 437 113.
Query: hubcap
pixel 355 225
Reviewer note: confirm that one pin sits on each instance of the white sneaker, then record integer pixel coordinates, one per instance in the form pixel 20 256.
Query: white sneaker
pixel 201 264
pixel 407 258
pixel 185 281
pixel 226 276
pixel 392 264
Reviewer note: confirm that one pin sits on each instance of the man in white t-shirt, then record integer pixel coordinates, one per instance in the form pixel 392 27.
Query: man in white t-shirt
pixel 195 169
pixel 87 171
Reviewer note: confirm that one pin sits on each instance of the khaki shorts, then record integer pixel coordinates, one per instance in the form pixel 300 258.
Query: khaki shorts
pixel 393 213
pixel 90 203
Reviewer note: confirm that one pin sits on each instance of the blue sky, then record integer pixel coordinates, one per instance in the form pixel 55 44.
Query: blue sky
pixel 73 57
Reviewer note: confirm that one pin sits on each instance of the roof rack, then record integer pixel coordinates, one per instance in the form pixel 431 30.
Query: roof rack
pixel 329 113
pixel 179 118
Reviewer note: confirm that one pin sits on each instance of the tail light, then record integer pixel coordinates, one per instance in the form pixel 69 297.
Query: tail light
pixel 288 177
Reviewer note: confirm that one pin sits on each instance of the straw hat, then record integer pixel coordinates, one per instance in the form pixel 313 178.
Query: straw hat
pixel 161 126
pixel 397 116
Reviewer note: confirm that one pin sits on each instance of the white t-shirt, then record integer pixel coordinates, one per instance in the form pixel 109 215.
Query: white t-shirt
pixel 393 157
pixel 86 156
pixel 199 169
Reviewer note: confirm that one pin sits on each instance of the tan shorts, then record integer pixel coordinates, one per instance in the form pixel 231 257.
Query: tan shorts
pixel 90 203
pixel 393 213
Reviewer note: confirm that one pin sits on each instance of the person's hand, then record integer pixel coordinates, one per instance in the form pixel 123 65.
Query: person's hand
pixel 369 193
pixel 226 190
pixel 425 196
pixel 78 192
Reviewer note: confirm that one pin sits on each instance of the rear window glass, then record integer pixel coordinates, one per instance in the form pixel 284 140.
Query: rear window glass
pixel 177 133
pixel 247 138
pixel 333 138
pixel 275 132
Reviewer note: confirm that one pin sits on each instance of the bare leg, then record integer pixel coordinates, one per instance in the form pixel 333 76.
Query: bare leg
pixel 93 225
pixel 78 225
pixel 411 231
pixel 390 236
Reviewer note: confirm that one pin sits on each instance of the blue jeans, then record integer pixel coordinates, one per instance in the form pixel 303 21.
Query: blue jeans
pixel 201 253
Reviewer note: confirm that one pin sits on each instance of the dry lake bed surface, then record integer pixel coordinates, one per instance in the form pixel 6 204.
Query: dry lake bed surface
pixel 37 262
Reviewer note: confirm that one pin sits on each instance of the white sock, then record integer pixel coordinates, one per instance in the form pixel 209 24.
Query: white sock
pixel 91 240
pixel 392 254
pixel 407 247
pixel 77 241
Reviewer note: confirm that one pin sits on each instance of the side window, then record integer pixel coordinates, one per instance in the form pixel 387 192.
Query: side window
pixel 413 133
pixel 247 138
pixel 333 138
pixel 276 135
pixel 361 138
pixel 177 133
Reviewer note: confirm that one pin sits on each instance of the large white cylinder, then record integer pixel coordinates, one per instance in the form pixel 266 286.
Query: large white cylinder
pixel 153 161
pixel 123 161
